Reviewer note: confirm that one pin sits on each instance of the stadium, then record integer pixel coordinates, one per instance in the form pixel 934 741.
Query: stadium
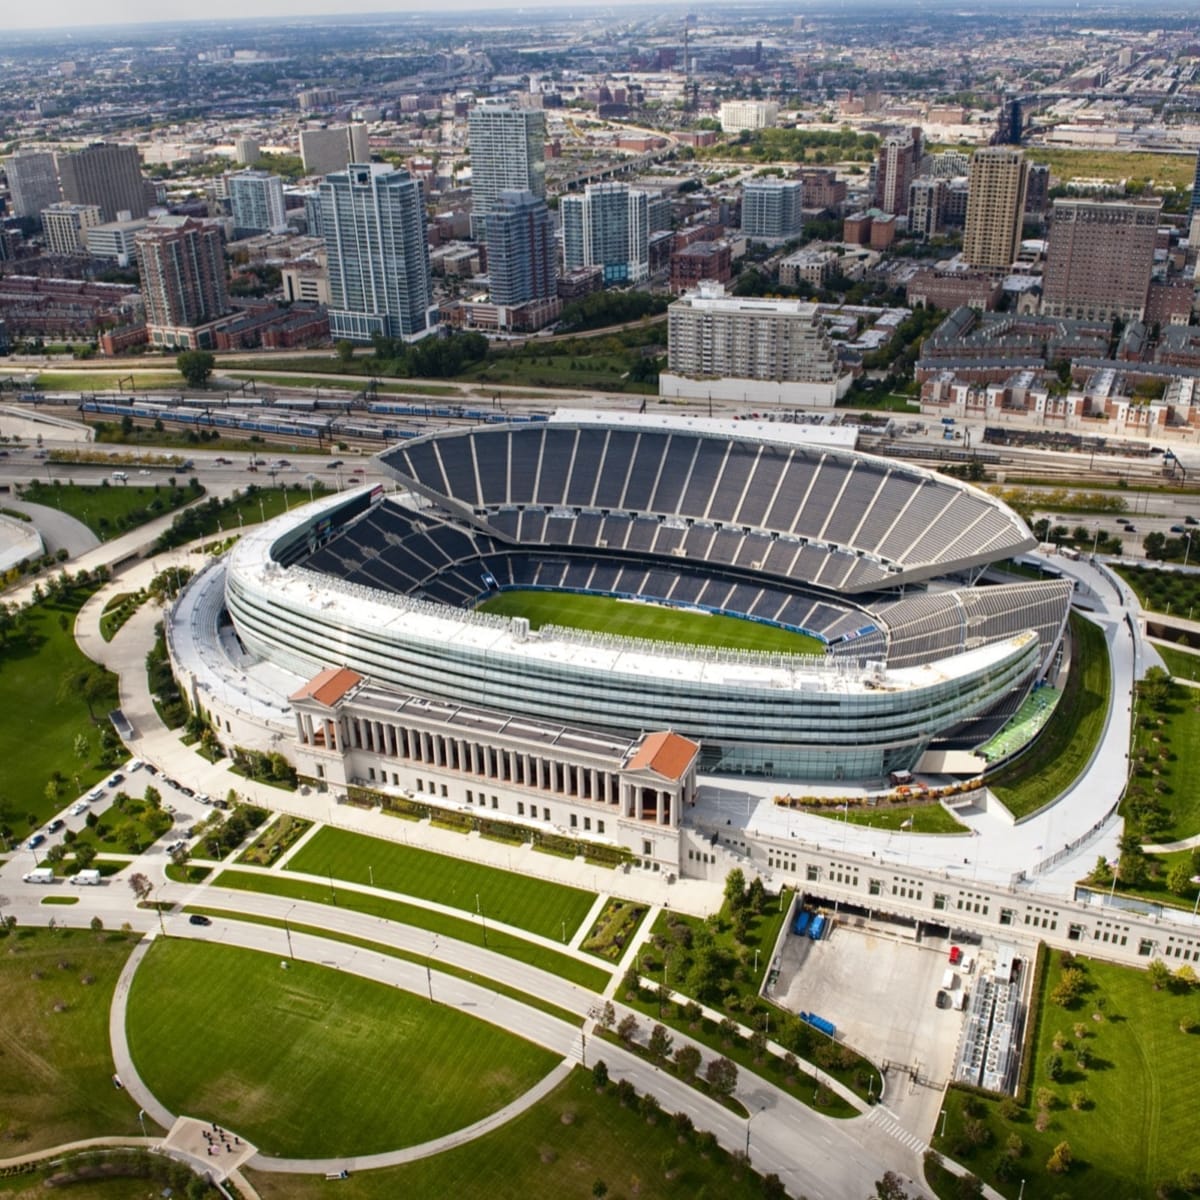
pixel 862 580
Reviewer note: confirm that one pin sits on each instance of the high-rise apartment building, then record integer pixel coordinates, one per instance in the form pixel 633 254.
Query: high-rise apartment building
pixel 926 202
pixel 107 175
pixel 256 201
pixel 895 168
pixel 995 208
pixel 508 153
pixel 33 181
pixel 1098 259
pixel 1194 207
pixel 1009 123
pixel 373 222
pixel 246 150
pixel 522 250
pixel 773 209
pixel 116 240
pixel 324 151
pixel 66 225
pixel 738 116
pixel 608 226
pixel 181 262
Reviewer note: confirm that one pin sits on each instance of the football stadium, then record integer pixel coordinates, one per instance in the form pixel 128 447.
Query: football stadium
pixel 796 608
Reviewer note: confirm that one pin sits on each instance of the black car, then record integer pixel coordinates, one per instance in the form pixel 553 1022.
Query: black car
pixel 55 825
pixel 198 919
pixel 943 999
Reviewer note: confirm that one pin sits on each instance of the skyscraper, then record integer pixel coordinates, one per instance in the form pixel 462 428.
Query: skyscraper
pixel 508 152
pixel 373 221
pixel 33 181
pixel 324 151
pixel 926 203
pixel 1194 207
pixel 995 208
pixel 1098 259
pixel 1009 123
pixel 182 266
pixel 106 175
pixel 522 255
pixel 607 226
pixel 772 209
pixel 895 167
pixel 256 199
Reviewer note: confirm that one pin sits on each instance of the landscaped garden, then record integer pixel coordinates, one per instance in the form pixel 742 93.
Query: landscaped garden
pixel 1066 744
pixel 1162 590
pixel 504 896
pixel 56 987
pixel 312 1062
pixel 616 925
pixel 249 507
pixel 128 825
pixel 54 701
pixel 283 832
pixel 108 510
pixel 1110 1110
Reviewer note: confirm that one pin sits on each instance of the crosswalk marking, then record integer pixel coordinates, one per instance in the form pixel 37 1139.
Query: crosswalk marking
pixel 896 1130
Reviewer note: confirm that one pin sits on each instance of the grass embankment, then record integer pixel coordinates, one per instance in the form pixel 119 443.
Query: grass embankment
pixel 1066 744
pixel 562 1147
pixel 657 622
pixel 56 988
pixel 354 381
pixel 1181 664
pixel 1166 747
pixel 297 1061
pixel 44 711
pixel 116 380
pixel 459 928
pixel 1134 1127
pixel 109 510
pixel 519 900
pixel 915 818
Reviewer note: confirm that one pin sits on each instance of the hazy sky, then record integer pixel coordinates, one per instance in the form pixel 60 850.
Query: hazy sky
pixel 76 13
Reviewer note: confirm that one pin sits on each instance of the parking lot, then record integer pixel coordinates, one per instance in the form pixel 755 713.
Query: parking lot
pixel 880 991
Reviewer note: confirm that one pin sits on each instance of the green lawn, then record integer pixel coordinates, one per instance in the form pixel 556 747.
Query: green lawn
pixel 506 896
pixel 106 381
pixel 1166 170
pixel 127 828
pixel 655 621
pixel 111 509
pixel 249 507
pixel 1166 748
pixel 560 1148
pixel 314 1062
pixel 56 1084
pixel 1065 745
pixel 925 818
pixel 1160 589
pixel 460 928
pixel 1181 664
pixel 1137 1128
pixel 40 726
pixel 1155 888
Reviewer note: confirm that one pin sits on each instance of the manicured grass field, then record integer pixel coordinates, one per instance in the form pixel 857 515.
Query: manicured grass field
pixel 925 818
pixel 56 1084
pixel 1065 745
pixel 1166 742
pixel 39 727
pixel 1181 664
pixel 314 1062
pixel 1137 1127
pixel 560 1148
pixel 506 896
pixel 106 381
pixel 460 928
pixel 654 621
pixel 108 510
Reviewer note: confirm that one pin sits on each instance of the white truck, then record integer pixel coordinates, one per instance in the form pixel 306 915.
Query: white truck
pixel 40 875
pixel 86 878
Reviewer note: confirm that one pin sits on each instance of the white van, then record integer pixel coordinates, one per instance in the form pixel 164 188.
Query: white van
pixel 40 875
pixel 120 476
pixel 86 878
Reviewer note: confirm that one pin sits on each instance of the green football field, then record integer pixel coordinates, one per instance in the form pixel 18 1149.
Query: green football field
pixel 627 618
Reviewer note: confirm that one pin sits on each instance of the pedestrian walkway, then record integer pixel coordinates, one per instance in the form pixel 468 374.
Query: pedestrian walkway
pixel 886 1121
pixel 585 926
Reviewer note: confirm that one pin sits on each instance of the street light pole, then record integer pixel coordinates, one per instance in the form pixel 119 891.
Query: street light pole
pixel 288 930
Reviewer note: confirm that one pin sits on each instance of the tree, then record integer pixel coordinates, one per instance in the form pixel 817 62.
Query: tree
pixel 890 1187
pixel 722 1076
pixel 1159 974
pixel 600 1075
pixel 1179 879
pixel 140 885
pixel 97 925
pixel 195 366
pixel 599 1189
pixel 1186 975
pixel 85 855
pixel 735 889
pixel 608 1015
pixel 628 1028
pixel 687 1061
pixel 1059 1163
pixel 660 1042
pixel 344 350
pixel 1069 987
pixel 81 746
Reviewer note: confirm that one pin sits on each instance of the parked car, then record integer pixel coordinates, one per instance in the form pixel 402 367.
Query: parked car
pixel 333 466
pixel 198 919
pixel 78 808
pixel 955 955
pixel 115 778
pixel 55 825
pixel 1189 520
pixel 1177 529
pixel 35 841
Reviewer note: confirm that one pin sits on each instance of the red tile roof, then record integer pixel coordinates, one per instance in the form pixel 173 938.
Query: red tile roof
pixel 666 754
pixel 327 687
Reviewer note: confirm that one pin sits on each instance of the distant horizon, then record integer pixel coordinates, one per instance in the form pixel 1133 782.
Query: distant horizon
pixel 81 15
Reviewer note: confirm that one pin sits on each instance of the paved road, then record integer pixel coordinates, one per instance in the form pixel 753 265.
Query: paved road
pixel 59 530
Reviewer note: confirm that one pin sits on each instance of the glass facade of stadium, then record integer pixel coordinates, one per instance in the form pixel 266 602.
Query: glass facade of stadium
pixel 813 731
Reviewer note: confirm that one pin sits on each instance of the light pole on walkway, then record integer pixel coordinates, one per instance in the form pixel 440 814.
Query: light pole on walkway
pixel 142 1120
